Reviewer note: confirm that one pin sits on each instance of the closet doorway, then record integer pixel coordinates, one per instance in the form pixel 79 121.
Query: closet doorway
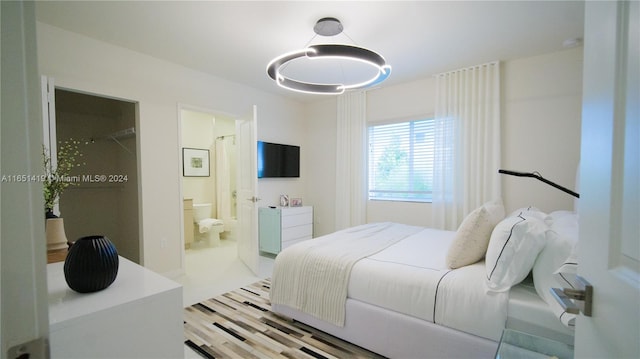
pixel 105 199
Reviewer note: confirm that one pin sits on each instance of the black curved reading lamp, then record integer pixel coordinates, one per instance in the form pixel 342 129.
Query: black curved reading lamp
pixel 537 176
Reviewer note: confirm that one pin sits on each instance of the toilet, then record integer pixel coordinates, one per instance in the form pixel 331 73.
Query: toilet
pixel 206 228
pixel 230 228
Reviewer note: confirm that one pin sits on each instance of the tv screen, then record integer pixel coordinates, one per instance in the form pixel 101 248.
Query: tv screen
pixel 278 160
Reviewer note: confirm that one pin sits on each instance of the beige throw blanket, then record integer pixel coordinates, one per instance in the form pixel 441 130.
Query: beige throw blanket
pixel 313 276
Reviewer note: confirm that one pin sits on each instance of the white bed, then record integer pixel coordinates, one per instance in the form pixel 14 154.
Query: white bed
pixel 402 300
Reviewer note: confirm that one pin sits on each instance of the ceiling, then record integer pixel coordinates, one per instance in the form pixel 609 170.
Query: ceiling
pixel 235 40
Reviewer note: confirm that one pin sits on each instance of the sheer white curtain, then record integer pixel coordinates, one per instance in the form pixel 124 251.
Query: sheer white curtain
pixel 351 166
pixel 467 143
pixel 223 180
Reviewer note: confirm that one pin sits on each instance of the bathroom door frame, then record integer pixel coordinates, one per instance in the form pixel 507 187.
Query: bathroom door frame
pixel 186 107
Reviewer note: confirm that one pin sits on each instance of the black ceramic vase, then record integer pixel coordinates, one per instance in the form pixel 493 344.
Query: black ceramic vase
pixel 91 264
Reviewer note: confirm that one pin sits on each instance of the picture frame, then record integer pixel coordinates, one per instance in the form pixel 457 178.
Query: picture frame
pixel 295 202
pixel 195 162
pixel 284 200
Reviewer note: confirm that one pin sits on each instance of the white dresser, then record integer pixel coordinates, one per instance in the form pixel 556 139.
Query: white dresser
pixel 138 316
pixel 280 227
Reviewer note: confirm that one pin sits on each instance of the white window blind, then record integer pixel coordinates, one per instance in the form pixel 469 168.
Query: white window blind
pixel 401 161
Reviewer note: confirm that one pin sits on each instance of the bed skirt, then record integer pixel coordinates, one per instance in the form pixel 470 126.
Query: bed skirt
pixel 397 335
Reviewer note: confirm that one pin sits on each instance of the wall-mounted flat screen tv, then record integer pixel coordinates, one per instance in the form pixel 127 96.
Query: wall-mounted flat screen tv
pixel 277 160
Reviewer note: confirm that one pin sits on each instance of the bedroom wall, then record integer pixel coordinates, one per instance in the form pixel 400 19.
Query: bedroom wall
pixel 541 116
pixel 541 123
pixel 81 63
pixel 321 183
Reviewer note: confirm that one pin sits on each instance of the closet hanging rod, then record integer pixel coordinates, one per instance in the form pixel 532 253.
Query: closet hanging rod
pixel 127 132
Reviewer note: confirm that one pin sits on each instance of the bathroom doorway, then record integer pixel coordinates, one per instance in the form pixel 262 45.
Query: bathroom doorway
pixel 105 198
pixel 212 267
pixel 208 178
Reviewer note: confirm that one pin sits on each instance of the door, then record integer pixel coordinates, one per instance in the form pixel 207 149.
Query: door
pixel 609 253
pixel 23 283
pixel 247 178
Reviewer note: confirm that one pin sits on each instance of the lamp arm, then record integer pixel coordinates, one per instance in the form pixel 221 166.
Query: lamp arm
pixel 540 178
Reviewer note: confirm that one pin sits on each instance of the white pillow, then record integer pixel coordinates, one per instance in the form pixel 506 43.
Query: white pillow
pixel 513 248
pixel 561 239
pixel 531 210
pixel 565 276
pixel 472 237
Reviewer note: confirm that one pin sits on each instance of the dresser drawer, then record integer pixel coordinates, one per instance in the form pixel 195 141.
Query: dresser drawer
pixel 297 219
pixel 297 232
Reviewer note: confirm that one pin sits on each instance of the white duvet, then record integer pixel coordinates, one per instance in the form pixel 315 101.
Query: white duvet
pixel 408 276
pixel 312 276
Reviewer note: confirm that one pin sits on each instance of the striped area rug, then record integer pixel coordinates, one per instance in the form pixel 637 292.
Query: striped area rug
pixel 240 324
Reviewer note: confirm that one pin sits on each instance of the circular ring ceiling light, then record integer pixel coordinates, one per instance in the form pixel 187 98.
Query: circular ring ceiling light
pixel 328 27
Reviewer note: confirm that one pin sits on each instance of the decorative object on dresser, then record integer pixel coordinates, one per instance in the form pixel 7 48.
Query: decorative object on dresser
pixel 284 200
pixel 57 244
pixel 58 165
pixel 56 238
pixel 295 202
pixel 281 227
pixel 91 264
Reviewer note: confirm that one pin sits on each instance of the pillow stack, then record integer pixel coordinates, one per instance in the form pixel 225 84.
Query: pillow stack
pixel 526 241
pixel 556 264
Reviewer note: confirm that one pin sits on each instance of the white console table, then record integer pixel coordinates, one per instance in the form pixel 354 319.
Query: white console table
pixel 138 316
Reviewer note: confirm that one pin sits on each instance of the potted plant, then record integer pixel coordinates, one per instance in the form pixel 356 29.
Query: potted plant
pixel 57 177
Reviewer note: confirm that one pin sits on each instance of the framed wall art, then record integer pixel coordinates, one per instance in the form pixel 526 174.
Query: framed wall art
pixel 195 162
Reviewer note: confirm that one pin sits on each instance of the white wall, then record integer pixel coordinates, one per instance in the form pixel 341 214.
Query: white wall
pixel 541 115
pixel 541 119
pixel 81 63
pixel 321 164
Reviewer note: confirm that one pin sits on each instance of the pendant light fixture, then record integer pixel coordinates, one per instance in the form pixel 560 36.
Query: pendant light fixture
pixel 328 26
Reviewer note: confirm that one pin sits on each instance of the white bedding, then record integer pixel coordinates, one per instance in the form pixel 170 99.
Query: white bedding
pixel 312 276
pixel 409 276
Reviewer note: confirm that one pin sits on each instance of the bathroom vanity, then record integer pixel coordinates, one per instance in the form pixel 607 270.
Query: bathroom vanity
pixel 280 227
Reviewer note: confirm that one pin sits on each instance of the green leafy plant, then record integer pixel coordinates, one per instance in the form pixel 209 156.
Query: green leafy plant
pixel 58 177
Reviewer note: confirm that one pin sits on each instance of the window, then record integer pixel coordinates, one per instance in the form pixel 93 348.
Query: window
pixel 401 161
